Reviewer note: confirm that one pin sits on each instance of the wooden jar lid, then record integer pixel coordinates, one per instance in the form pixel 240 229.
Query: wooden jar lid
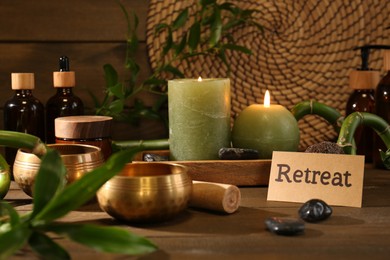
pixel 364 79
pixel 22 81
pixel 386 60
pixel 83 127
pixel 63 79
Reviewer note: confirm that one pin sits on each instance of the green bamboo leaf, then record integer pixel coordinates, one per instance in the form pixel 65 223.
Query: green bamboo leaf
pixel 50 179
pixel 259 26
pixel 232 24
pixel 159 27
pixel 173 70
pixel 79 192
pixel 180 47
pixel 194 36
pixel 110 75
pixel 132 45
pixel 222 56
pixel 130 26
pixel 180 19
pixel 116 90
pixel 216 28
pixel 105 239
pixel 46 247
pixel 207 20
pixel 232 8
pixel 168 43
pixel 154 81
pixel 7 210
pixel 132 65
pixel 116 106
pixel 247 13
pixel 12 240
pixel 207 2
pixel 235 47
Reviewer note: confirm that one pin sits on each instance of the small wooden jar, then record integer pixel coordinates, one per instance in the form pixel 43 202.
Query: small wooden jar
pixel 91 130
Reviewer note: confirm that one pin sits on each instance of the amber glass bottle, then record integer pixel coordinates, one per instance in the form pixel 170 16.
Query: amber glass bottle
pixel 23 112
pixel 362 99
pixel 64 102
pixel 382 108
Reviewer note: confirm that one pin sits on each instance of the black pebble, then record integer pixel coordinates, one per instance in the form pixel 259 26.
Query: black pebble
pixel 150 157
pixel 285 225
pixel 315 210
pixel 238 154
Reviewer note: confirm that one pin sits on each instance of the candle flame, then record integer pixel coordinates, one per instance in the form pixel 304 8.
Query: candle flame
pixel 200 78
pixel 267 99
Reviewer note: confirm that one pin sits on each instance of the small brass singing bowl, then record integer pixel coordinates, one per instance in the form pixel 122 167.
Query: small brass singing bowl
pixel 77 158
pixel 146 192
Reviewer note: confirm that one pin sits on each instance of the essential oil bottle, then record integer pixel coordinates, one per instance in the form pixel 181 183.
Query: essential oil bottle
pixel 363 81
pixel 382 107
pixel 23 112
pixel 64 102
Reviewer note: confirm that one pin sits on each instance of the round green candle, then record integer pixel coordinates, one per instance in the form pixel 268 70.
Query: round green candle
pixel 266 128
pixel 199 118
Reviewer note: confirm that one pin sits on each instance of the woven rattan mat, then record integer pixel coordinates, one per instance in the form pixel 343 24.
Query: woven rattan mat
pixel 304 53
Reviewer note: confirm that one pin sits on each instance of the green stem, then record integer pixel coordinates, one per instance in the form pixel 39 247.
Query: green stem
pixel 356 119
pixel 158 144
pixel 311 107
pixel 22 140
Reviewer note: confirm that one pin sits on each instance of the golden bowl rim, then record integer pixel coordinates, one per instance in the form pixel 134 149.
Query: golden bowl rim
pixel 181 166
pixel 95 150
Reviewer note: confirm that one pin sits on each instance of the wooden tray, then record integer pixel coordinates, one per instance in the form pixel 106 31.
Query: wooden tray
pixel 237 172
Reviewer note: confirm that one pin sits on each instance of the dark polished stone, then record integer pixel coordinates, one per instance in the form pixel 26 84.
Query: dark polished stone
pixel 238 154
pixel 315 210
pixel 150 157
pixel 285 225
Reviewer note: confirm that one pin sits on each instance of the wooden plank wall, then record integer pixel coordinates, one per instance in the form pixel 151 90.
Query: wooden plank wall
pixel 34 34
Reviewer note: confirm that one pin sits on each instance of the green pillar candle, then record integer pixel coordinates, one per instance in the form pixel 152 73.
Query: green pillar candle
pixel 266 128
pixel 199 118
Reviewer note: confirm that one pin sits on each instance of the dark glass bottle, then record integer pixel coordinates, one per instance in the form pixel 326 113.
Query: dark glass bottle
pixel 382 109
pixel 362 99
pixel 64 102
pixel 23 112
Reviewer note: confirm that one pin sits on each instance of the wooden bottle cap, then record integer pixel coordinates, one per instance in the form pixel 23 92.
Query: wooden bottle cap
pixel 62 79
pixel 386 60
pixel 82 127
pixel 22 81
pixel 364 79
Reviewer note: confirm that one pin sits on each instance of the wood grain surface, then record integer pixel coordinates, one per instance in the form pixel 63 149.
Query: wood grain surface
pixel 350 233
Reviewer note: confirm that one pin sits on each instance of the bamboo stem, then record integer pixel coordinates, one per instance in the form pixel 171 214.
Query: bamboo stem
pixel 311 107
pixel 158 144
pixel 350 124
pixel 22 140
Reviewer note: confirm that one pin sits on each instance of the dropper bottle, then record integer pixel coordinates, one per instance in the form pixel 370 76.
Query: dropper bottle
pixel 382 107
pixel 23 112
pixel 363 81
pixel 64 102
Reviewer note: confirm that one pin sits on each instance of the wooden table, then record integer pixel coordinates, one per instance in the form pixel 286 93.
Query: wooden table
pixel 349 233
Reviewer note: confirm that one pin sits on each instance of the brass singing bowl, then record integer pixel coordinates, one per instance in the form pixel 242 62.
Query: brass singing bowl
pixel 146 192
pixel 77 158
